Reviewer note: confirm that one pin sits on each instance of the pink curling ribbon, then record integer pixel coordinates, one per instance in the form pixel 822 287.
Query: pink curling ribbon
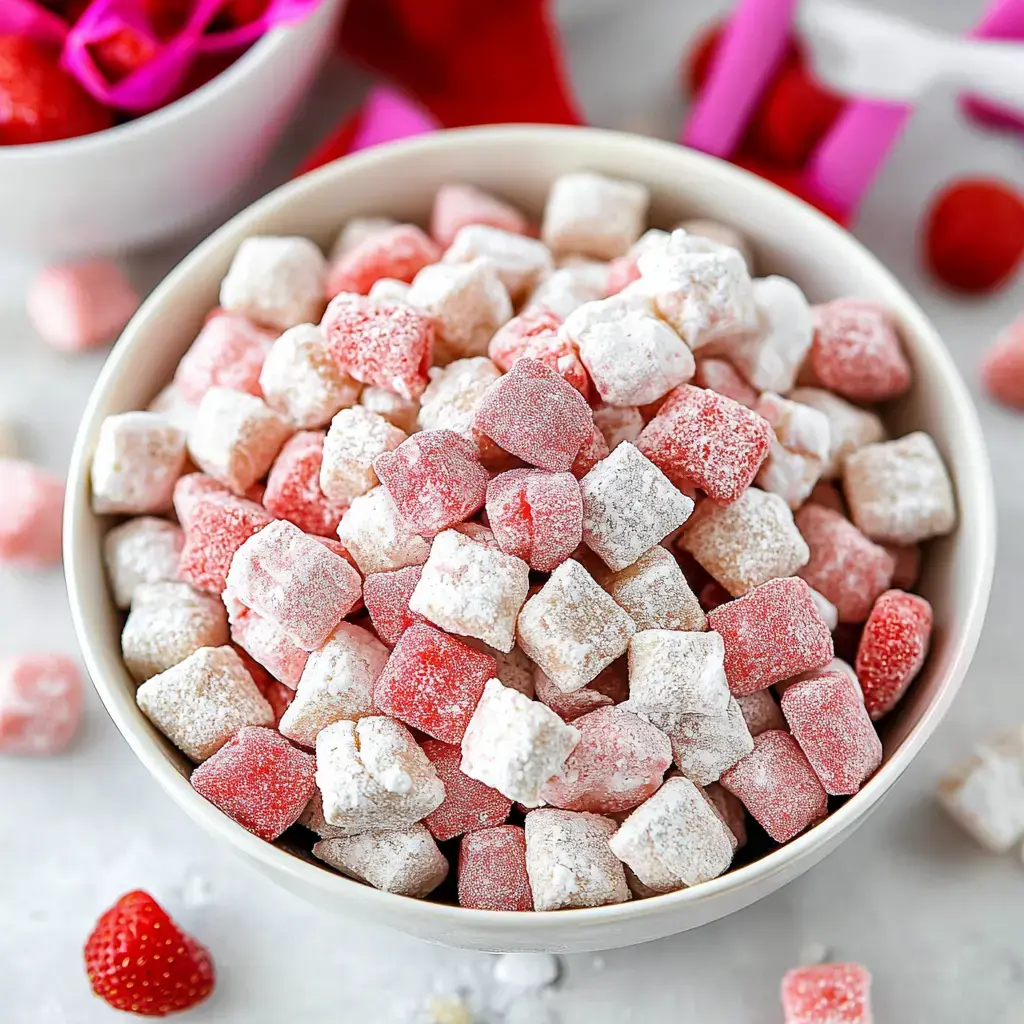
pixel 33 21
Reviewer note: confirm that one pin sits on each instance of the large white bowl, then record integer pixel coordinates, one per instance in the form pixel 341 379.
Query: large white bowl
pixel 163 173
pixel 520 162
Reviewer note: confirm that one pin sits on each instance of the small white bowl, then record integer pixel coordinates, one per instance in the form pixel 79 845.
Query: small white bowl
pixel 154 177
pixel 519 163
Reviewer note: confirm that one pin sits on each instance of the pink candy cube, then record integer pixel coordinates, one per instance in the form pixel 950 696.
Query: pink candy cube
pixel 533 413
pixel 259 779
pixel 771 634
pixel 40 703
pixel 386 596
pixel 534 334
pixel 293 486
pixel 273 649
pixel 468 805
pixel 778 786
pixel 536 516
pixel 457 206
pixel 387 344
pixel 827 994
pixel 228 352
pixel 398 252
pixel 705 439
pixel 435 480
pixel 492 870
pixel 721 376
pixel 31 511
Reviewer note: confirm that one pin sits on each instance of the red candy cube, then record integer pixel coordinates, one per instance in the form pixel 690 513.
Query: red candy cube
pixel 386 596
pixel 399 252
pixel 435 480
pixel 536 516
pixel 228 352
pixel 771 634
pixel 293 486
pixel 433 682
pixel 778 786
pixel 595 448
pixel 468 805
pixel 259 779
pixel 892 649
pixel 618 763
pixel 40 703
pixel 534 335
pixel 492 870
pixel 827 994
pixel 846 566
pixel 533 413
pixel 384 343
pixel 700 438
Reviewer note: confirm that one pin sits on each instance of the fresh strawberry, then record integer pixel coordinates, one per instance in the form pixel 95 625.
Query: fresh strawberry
pixel 139 961
pixel 39 102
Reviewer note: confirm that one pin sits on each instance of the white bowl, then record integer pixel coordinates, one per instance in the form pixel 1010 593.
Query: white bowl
pixel 519 163
pixel 155 177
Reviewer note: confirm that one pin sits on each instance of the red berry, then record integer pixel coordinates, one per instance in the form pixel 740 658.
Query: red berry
pixel 39 102
pixel 139 961
pixel 974 234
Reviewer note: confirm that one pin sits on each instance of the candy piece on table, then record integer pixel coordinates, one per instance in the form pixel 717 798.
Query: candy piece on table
pixel 569 706
pixel 674 674
pixel 632 356
pixel 434 479
pixel 730 810
pixel 1002 369
pixel 850 427
pixel 201 702
pixel 702 289
pixel 258 779
pixel 356 231
pixel 721 234
pixel 299 584
pixel 31 514
pixel 399 252
pixel 705 439
pixel 373 776
pixel 593 450
pixel 845 566
pixel 892 649
pixel 454 392
pixel 139 457
pixel 747 543
pixel 457 206
pixel 492 870
pixel 235 437
pixel 167 623
pixel 533 413
pixel 406 862
pixel 141 550
pixel 565 290
pixel 857 351
pixel 433 682
pixel 629 505
pixel 569 861
pixel 293 486
pixel 778 786
pixel 721 376
pixel 618 423
pixel 41 698
pixel 377 536
pixel 277 281
pixel 536 515
pixel 654 593
pixel 514 744
pixel 520 262
pixel 271 648
pixel 761 713
pixel 899 491
pixel 467 303
pixel 468 805
pixel 572 629
pixel 771 634
pixel 985 793
pixel 592 215
pixel 355 439
pixel 387 344
pixel 228 352
pixel 827 994
pixel 387 595
pixel 800 451
pixel 398 411
pixel 907 562
pixel 301 381
pixel 216 525
pixel 535 334
pixel 826 716
pixel 674 839
pixel 77 306
pixel 472 590
pixel 704 746
pixel 618 763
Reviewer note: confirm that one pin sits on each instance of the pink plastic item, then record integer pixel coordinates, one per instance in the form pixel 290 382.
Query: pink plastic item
pixel 1003 20
pixel 40 703
pixel 31 511
pixel 468 805
pixel 32 20
pixel 387 115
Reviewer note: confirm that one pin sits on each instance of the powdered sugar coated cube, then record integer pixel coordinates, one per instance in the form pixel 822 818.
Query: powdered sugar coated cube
pixel 457 205
pixel 536 334
pixel 492 870
pixel 799 452
pixel 276 281
pixel 270 647
pixel 704 746
pixel 454 391
pixel 228 352
pixel 520 261
pixel 357 230
pixel 406 862
pixel 721 376
pixel 592 215
pixel 565 290
pixel 142 550
pixel 618 423
pixel 40 703
pixel 31 514
pixel 355 439
pixel 388 289
pixel 827 994
pixel 720 234
pixel 377 536
pixel 398 252
pixel 849 426
pixel 398 411
pixel 468 805
pixel 604 691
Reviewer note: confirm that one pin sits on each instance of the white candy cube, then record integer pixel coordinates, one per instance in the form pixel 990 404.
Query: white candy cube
pixel 142 550
pixel 591 215
pixel 355 438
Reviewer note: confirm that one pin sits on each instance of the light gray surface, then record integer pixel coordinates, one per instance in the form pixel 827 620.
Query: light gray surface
pixel 934 918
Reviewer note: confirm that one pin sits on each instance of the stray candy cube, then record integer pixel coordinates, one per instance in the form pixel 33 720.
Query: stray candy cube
pixel 41 698
pixel 31 514
pixel 827 994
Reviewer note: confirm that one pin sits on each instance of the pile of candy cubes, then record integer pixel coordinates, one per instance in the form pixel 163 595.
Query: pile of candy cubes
pixel 523 562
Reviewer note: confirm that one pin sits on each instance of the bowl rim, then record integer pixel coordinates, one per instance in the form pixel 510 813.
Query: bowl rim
pixel 441 918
